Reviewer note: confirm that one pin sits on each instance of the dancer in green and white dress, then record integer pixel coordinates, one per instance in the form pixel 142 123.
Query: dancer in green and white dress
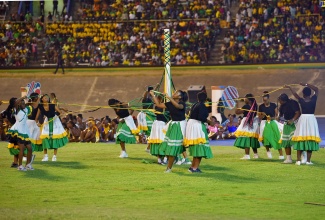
pixel 173 143
pixel 126 130
pixel 306 136
pixel 289 112
pixel 270 133
pixel 19 133
pixel 247 132
pixel 196 136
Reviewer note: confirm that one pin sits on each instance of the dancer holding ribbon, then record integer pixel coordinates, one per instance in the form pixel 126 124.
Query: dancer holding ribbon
pixel 126 128
pixel 247 132
pixel 19 133
pixel 53 134
pixel 196 136
pixel 173 143
pixel 289 112
pixel 269 128
pixel 306 136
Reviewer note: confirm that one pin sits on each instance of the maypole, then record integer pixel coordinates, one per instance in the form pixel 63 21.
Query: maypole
pixel 167 73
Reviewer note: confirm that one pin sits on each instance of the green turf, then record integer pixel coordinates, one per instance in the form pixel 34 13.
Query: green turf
pixel 90 181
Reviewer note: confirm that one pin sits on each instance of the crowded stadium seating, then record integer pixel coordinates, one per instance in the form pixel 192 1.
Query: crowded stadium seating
pixel 125 32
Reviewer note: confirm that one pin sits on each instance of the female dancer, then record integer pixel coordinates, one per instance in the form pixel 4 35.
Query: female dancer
pixel 19 133
pixel 34 130
pixel 9 116
pixel 247 132
pixel 269 129
pixel 306 136
pixel 145 119
pixel 53 134
pixel 157 135
pixel 289 113
pixel 173 142
pixel 196 136
pixel 126 128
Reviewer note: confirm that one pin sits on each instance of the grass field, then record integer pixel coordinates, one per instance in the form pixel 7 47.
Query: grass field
pixel 90 181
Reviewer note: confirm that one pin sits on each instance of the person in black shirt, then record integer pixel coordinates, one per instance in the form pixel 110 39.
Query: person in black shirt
pixel 306 136
pixel 126 128
pixel 53 134
pixel 145 118
pixel 173 142
pixel 157 135
pixel 34 129
pixel 289 112
pixel 59 63
pixel 269 130
pixel 196 136
pixel 247 132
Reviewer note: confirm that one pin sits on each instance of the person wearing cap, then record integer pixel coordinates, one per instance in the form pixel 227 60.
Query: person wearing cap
pixel 289 112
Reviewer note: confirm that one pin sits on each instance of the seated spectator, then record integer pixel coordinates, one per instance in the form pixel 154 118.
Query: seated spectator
pixel 90 133
pixel 214 131
pixel 230 128
pixel 74 132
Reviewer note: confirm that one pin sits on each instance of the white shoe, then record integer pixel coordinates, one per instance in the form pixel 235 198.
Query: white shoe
pixel 298 163
pixel 255 156
pixel 29 167
pixel 246 157
pixel 287 161
pixel 21 168
pixel 168 170
pixel 269 154
pixel 147 150
pixel 45 158
pixel 165 160
pixel 304 157
pixel 180 162
pixel 123 155
pixel 281 157
pixel 309 163
pixel 54 158
pixel 24 158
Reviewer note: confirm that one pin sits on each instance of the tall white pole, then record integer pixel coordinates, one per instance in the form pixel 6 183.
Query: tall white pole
pixel 168 76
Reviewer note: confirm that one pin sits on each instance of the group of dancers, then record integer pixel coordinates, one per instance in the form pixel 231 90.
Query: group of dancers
pixel 171 129
pixel 27 135
pixel 293 125
pixel 168 137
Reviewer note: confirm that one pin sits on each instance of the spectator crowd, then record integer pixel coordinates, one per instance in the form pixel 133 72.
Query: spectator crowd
pixel 125 32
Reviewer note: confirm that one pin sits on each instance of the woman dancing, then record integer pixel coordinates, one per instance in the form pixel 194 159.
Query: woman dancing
pixel 269 129
pixel 196 136
pixel 289 112
pixel 306 136
pixel 157 135
pixel 53 134
pixel 126 128
pixel 247 132
pixel 19 133
pixel 34 129
pixel 173 142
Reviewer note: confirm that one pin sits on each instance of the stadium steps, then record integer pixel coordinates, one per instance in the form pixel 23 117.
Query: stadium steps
pixel 216 54
pixel 13 8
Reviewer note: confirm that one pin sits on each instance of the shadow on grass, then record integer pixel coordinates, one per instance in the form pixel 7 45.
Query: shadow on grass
pixel 219 176
pixel 63 164
pixel 44 175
